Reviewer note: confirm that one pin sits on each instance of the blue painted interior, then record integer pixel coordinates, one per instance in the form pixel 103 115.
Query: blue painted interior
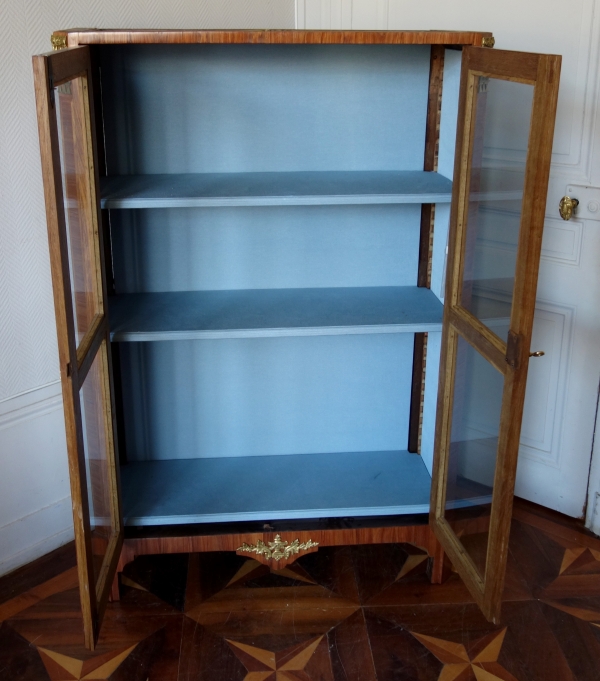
pixel 206 190
pixel 198 412
pixel 263 313
pixel 266 396
pixel 449 115
pixel 186 249
pixel 447 143
pixel 264 108
pixel 448 125
pixel 434 346
pixel 270 488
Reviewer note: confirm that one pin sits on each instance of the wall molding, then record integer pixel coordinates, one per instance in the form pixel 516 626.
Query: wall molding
pixel 35 506
pixel 30 404
pixel 562 240
pixel 546 448
pixel 25 539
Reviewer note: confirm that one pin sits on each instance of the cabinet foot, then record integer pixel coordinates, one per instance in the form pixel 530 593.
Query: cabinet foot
pixel 115 594
pixel 127 555
pixel 435 567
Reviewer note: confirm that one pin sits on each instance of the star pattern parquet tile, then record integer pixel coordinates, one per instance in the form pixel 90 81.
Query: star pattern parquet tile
pixel 63 667
pixel 18 658
pixel 479 663
pixel 289 664
pixel 273 621
pixel 362 613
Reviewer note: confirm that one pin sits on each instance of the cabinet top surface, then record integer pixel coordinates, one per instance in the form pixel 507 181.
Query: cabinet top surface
pixel 93 36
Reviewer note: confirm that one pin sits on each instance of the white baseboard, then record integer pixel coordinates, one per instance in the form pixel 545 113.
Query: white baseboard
pixel 592 516
pixel 593 520
pixel 35 504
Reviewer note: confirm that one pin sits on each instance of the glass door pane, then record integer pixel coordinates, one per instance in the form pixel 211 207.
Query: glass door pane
pixel 506 123
pixel 475 427
pixel 496 183
pixel 79 203
pixel 99 458
pixel 64 103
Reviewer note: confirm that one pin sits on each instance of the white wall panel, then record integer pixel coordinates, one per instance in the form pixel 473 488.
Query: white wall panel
pixel 35 514
pixel 35 505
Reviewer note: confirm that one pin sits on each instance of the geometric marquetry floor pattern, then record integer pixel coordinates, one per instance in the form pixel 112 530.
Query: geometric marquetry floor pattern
pixel 340 614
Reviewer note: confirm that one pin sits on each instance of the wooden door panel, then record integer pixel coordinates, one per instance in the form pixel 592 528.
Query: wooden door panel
pixel 64 102
pixel 500 184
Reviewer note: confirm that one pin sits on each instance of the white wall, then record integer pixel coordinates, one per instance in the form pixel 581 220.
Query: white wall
pixel 35 514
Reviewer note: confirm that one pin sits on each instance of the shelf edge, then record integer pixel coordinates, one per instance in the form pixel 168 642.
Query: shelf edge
pixel 240 202
pixel 139 521
pixel 145 336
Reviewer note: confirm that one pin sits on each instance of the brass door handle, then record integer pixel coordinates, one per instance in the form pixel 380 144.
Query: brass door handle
pixel 567 207
pixel 537 353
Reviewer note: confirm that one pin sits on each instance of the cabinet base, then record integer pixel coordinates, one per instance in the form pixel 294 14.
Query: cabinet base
pixel 277 550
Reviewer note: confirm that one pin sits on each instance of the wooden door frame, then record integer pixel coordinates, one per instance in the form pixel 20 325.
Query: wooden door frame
pixel 50 71
pixel 511 358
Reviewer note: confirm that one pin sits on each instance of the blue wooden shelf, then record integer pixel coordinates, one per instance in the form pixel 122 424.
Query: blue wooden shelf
pixel 262 313
pixel 275 189
pixel 274 487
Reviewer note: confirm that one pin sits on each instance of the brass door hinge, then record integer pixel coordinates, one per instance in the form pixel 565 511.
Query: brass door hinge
pixel 513 349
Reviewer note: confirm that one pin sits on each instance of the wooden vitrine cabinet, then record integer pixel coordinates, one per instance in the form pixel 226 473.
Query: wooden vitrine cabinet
pixel 294 275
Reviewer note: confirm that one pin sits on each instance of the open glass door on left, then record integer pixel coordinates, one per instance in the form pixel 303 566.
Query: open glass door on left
pixel 64 103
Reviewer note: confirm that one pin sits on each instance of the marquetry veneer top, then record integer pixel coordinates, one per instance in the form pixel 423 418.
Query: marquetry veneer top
pixel 75 37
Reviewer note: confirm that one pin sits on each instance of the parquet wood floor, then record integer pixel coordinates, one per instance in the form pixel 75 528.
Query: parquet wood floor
pixel 364 613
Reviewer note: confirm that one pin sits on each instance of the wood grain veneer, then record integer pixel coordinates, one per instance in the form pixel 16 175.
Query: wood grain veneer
pixel 432 137
pixel 421 536
pixel 75 37
pixel 79 231
pixel 542 71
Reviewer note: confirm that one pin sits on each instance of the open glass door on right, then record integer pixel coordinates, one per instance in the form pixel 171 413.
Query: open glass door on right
pixel 503 149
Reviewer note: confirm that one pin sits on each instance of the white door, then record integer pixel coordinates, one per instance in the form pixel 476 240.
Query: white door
pixel 562 391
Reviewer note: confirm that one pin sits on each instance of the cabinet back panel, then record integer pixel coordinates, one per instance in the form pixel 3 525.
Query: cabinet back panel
pixel 186 249
pixel 244 108
pixel 251 397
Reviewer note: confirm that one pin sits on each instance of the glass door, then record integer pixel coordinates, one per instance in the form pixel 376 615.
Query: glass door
pixel 503 150
pixel 64 103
